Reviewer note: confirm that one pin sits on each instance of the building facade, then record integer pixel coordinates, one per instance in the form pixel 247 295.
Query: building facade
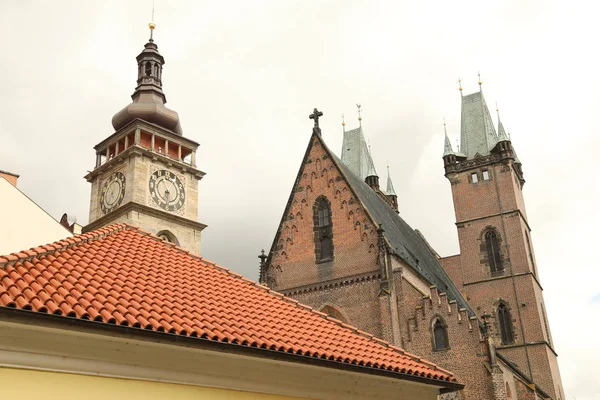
pixel 145 173
pixel 342 248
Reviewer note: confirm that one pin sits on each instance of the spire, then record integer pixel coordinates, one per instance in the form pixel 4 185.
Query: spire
pixel 477 134
pixel 447 145
pixel 370 165
pixel 148 98
pixel 390 186
pixel 501 133
pixel 356 155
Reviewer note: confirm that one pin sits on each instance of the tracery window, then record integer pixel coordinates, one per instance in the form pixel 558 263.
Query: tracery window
pixel 505 324
pixel 493 252
pixel 323 230
pixel 440 334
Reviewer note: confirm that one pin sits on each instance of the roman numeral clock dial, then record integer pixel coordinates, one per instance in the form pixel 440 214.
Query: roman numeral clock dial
pixel 166 190
pixel 113 192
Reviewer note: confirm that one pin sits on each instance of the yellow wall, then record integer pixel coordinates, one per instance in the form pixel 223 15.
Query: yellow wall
pixel 24 384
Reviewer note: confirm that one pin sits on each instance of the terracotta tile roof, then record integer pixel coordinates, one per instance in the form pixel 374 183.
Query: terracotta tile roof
pixel 122 275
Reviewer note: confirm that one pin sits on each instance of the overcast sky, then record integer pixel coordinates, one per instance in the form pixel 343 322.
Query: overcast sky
pixel 245 75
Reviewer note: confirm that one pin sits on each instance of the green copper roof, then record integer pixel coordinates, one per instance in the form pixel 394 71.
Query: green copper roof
pixel 447 146
pixel 355 154
pixel 477 134
pixel 390 186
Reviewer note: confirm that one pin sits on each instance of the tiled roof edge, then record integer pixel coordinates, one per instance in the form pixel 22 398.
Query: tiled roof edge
pixel 63 244
pixel 115 228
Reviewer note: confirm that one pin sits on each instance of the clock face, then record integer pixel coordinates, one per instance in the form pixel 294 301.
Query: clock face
pixel 166 190
pixel 113 192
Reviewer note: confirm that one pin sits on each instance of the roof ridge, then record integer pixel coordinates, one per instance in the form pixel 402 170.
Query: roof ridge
pixel 63 244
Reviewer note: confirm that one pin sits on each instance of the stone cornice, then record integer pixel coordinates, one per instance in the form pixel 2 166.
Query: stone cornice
pixel 131 206
pixel 150 128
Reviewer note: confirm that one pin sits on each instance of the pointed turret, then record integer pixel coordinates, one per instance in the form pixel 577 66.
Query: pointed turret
pixel 502 136
pixel 449 155
pixel 390 186
pixel 477 134
pixel 148 98
pixel 447 145
pixel 390 192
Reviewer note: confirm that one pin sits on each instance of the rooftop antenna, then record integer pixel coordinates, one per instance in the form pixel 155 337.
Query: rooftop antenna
pixel 152 25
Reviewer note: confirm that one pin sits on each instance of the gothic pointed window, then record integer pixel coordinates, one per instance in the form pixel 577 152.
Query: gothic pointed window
pixel 440 335
pixel 505 324
pixel 493 252
pixel 323 230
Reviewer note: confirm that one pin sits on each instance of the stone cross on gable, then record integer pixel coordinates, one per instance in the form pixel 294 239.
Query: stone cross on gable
pixel 315 115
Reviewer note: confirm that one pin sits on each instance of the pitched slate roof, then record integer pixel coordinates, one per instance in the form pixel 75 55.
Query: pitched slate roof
pixel 356 155
pixel 122 275
pixel 404 240
pixel 477 133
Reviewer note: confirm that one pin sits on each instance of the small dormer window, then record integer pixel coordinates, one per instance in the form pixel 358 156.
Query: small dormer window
pixel 474 178
pixel 486 175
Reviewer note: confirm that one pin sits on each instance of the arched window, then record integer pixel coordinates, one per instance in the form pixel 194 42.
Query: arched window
pixel 493 252
pixel 168 237
pixel 333 312
pixel 148 69
pixel 323 230
pixel 505 324
pixel 440 335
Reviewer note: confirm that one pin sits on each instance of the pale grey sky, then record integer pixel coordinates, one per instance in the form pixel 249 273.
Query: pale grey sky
pixel 245 75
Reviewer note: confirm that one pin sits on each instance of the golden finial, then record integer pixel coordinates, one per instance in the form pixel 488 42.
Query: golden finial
pixel 343 122
pixel 479 79
pixel 359 111
pixel 460 84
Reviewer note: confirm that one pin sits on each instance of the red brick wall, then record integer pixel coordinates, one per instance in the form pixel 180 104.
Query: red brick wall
pixel 477 207
pixel 452 266
pixel 354 235
pixel 467 352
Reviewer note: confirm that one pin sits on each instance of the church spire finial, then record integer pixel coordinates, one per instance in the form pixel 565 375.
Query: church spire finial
pixel 479 80
pixel 343 122
pixel 460 85
pixel 152 25
pixel 359 114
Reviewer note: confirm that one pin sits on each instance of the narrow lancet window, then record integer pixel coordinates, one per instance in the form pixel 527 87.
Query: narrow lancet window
pixel 505 324
pixel 493 252
pixel 440 335
pixel 323 230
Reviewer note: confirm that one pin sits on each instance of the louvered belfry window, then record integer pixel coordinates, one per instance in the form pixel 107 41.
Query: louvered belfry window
pixel 440 335
pixel 323 230
pixel 505 323
pixel 493 252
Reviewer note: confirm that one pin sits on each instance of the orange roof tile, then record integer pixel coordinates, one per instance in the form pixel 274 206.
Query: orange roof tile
pixel 122 275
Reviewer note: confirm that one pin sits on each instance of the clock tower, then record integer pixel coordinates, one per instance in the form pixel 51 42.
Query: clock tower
pixel 145 172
